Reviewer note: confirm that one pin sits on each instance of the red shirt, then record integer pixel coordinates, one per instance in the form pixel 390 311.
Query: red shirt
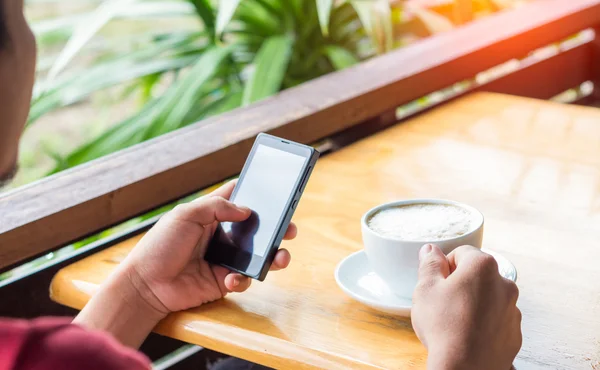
pixel 54 343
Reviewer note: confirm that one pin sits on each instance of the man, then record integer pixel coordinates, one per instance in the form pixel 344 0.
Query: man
pixel 464 312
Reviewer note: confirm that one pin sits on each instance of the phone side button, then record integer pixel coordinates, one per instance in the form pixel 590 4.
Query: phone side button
pixel 294 204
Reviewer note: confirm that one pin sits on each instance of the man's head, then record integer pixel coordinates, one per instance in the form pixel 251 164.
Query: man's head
pixel 17 71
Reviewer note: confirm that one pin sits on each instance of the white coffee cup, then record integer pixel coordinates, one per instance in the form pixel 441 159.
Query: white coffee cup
pixel 396 261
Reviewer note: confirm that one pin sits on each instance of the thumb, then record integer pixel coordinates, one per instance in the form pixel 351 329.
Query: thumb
pixel 433 264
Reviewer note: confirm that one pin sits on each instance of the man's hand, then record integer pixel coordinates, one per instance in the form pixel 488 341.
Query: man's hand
pixel 168 264
pixel 464 312
pixel 166 271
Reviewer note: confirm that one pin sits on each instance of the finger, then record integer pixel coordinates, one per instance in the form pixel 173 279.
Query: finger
pixel 225 190
pixel 291 232
pixel 433 264
pixel 210 209
pixel 517 337
pixel 220 274
pixel 282 260
pixel 238 283
pixel 461 255
pixel 512 291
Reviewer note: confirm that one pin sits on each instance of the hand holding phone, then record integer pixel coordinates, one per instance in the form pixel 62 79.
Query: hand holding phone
pixel 166 271
pixel 270 184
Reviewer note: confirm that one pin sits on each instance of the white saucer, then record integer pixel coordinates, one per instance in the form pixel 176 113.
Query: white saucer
pixel 356 278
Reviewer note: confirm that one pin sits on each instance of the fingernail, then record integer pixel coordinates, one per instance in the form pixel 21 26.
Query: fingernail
pixel 236 281
pixel 425 250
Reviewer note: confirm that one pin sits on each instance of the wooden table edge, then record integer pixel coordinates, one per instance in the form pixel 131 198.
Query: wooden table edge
pixel 233 345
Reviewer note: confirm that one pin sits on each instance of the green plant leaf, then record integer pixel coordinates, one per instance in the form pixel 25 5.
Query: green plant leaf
pixel 46 26
pixel 376 17
pixel 384 14
pixel 274 8
pixel 225 12
pixel 363 9
pixel 84 31
pixel 101 77
pixel 270 66
pixel 206 13
pixel 147 84
pixel 272 44
pixel 189 87
pixel 49 95
pixel 340 58
pixel 324 9
pixel 227 103
pixel 120 136
pixel 217 106
pixel 253 13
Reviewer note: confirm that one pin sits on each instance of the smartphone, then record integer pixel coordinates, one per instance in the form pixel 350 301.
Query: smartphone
pixel 271 183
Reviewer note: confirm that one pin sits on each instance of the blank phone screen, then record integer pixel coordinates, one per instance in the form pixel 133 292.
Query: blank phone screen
pixel 266 187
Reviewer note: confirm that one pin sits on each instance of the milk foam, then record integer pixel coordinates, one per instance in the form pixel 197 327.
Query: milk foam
pixel 422 222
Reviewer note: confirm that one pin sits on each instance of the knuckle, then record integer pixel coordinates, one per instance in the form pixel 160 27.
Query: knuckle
pixel 519 315
pixel 429 264
pixel 179 209
pixel 219 200
pixel 487 264
pixel 465 248
pixel 513 291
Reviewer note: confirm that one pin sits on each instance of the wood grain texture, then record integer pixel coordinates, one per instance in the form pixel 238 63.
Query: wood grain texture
pixel 532 167
pixel 81 201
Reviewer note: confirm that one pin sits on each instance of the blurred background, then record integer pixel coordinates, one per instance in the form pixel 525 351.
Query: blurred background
pixel 114 73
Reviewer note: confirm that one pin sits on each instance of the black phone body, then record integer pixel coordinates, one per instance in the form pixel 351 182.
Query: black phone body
pixel 270 184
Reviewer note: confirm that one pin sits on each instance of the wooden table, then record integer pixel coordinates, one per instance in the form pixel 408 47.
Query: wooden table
pixel 532 167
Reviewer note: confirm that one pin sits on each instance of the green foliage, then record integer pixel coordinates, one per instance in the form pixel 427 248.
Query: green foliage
pixel 324 7
pixel 270 65
pixel 242 52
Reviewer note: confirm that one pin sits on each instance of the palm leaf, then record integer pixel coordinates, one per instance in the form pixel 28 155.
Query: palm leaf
pixel 227 103
pixel 120 136
pixel 384 13
pixel 133 11
pixel 189 87
pixel 340 58
pixel 70 90
pixel 273 7
pixel 206 13
pixel 225 12
pixel 85 30
pixel 270 45
pixel 376 17
pixel 252 12
pixel 102 77
pixel 221 104
pixel 324 9
pixel 270 66
pixel 364 9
